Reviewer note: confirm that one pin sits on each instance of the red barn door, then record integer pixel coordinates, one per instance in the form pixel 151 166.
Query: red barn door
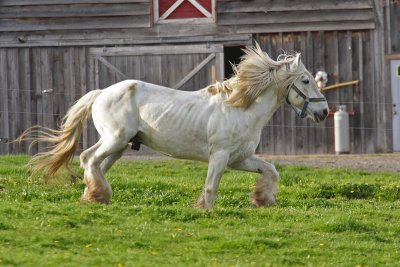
pixel 184 11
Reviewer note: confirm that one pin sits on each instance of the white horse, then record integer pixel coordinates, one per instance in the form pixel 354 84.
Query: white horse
pixel 220 124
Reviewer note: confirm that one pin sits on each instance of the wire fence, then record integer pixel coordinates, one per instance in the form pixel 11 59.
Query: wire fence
pixel 313 126
pixel 50 91
pixel 92 129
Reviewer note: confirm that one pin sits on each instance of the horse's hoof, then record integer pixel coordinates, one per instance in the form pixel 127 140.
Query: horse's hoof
pixel 262 200
pixel 104 201
pixel 199 204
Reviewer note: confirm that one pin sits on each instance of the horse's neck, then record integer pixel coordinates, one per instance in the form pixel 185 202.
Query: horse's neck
pixel 265 107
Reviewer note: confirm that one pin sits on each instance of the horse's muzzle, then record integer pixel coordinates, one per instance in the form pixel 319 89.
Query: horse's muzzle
pixel 320 116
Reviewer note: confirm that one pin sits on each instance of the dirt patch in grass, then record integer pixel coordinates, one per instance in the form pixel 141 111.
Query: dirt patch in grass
pixel 369 162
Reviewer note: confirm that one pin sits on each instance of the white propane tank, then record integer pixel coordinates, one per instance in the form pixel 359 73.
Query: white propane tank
pixel 342 133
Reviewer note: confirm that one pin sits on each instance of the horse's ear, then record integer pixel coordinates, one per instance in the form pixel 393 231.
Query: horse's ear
pixel 296 61
pixel 298 58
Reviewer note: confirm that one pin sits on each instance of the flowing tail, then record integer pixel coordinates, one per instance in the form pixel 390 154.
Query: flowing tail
pixel 64 140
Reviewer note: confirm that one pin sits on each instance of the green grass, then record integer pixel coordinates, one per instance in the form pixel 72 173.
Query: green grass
pixel 323 217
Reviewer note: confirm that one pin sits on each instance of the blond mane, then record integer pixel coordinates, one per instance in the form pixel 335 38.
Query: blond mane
pixel 256 73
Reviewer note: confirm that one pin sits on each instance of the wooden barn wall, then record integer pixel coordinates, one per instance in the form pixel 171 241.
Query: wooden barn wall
pixel 392 29
pixel 38 15
pixel 345 56
pixel 38 85
pixel 27 73
pixel 260 16
pixel 110 22
pixel 155 69
pixel 44 44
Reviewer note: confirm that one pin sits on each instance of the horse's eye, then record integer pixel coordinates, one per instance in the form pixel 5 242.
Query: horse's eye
pixel 306 81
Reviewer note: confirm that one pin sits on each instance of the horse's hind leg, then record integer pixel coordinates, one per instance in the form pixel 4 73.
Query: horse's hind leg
pixel 97 188
pixel 266 187
pixel 110 160
pixel 88 153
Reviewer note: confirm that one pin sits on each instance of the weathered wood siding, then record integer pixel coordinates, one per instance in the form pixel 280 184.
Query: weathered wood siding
pixel 27 73
pixel 26 16
pixel 80 22
pixel 164 65
pixel 38 85
pixel 259 16
pixel 392 29
pixel 345 56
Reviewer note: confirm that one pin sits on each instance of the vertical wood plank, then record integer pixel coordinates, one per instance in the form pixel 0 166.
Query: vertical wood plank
pixel 320 142
pixel 129 67
pixel 300 125
pixel 380 83
pixel 204 75
pixel 46 62
pixel 345 75
pixel 360 49
pixel 358 119
pixel 78 72
pixel 280 137
pixel 37 107
pixel 309 62
pixel 112 76
pixel 136 68
pixel 369 99
pixel 119 64
pixel 332 69
pixel 60 105
pixel 26 95
pixel 96 73
pixel 194 82
pixel 266 144
pixel 92 80
pixel 4 113
pixel 83 89
pixel 104 76
pixel 168 77
pixel 290 117
pixel 219 61
pixel 302 48
pixel 68 75
pixel 14 99
pixel 395 27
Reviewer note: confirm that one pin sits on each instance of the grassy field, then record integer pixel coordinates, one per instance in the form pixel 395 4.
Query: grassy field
pixel 323 217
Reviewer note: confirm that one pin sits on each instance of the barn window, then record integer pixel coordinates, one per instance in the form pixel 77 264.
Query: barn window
pixel 183 11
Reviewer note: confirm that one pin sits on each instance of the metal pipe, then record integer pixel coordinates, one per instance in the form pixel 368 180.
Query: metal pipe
pixel 356 82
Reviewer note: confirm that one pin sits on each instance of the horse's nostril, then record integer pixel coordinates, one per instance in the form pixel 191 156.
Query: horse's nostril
pixel 320 116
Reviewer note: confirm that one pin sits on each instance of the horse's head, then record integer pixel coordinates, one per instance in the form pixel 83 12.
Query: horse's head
pixel 303 94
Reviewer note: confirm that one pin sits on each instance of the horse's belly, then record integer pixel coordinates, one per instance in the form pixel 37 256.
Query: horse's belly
pixel 177 146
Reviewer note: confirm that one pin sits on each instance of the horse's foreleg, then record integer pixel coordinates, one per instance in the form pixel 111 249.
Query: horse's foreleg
pixel 216 166
pixel 266 187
